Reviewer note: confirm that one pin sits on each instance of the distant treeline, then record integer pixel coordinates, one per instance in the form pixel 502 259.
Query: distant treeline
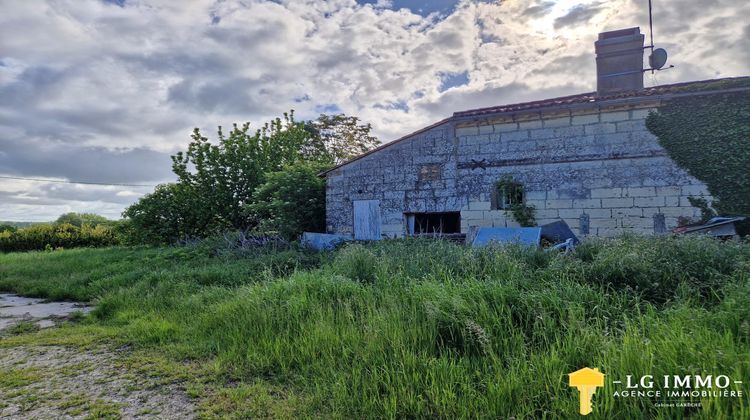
pixel 5 224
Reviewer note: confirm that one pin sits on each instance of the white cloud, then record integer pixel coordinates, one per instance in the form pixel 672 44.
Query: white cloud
pixel 91 79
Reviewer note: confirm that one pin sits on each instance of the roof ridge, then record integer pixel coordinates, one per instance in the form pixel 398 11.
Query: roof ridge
pixel 591 97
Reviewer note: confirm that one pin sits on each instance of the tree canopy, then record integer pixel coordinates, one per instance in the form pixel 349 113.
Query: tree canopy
pixel 223 184
pixel 80 219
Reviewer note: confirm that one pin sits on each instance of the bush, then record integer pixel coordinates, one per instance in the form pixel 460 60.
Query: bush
pixel 291 201
pixel 655 268
pixel 80 219
pixel 265 179
pixel 356 262
pixel 171 213
pixel 53 236
pixel 7 228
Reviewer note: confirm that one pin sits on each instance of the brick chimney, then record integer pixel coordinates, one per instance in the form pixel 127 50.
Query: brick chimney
pixel 619 61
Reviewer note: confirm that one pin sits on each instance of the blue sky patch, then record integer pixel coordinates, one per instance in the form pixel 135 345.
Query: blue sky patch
pixel 451 80
pixel 401 105
pixel 327 109
pixel 120 3
pixel 421 7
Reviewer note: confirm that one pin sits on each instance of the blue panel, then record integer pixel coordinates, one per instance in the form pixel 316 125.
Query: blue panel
pixel 323 241
pixel 526 236
pixel 557 232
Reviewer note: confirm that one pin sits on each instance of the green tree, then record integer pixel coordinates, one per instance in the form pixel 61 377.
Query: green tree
pixel 291 201
pixel 344 137
pixel 4 227
pixel 171 212
pixel 217 181
pixel 225 175
pixel 79 219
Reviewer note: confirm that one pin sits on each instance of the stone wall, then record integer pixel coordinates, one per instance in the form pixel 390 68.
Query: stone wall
pixel 598 169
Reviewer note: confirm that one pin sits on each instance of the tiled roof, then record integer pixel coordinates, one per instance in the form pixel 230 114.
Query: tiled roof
pixel 583 98
pixel 592 97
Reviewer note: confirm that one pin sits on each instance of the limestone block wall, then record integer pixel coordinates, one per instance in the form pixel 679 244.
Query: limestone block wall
pixel 392 175
pixel 599 169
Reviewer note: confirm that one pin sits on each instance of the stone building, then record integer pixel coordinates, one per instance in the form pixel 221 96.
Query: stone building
pixel 587 159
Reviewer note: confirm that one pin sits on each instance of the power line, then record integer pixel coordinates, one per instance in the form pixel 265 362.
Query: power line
pixel 59 181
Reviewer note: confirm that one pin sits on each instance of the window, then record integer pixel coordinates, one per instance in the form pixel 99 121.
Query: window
pixel 430 172
pixel 431 223
pixel 507 193
pixel 510 198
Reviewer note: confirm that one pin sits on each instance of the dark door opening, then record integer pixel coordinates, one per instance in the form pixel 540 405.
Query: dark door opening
pixel 433 223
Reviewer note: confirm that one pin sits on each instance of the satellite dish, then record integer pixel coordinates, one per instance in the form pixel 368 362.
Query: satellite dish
pixel 658 58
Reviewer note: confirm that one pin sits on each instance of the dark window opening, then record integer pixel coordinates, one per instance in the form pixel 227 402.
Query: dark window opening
pixel 431 223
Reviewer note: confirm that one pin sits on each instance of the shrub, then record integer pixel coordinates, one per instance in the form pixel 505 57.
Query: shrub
pixel 656 267
pixel 53 236
pixel 291 201
pixel 217 180
pixel 80 219
pixel 4 227
pixel 356 262
pixel 170 213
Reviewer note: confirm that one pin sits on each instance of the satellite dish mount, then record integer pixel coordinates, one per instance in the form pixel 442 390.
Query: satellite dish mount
pixel 658 57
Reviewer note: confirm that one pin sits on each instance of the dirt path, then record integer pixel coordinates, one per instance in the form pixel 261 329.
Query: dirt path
pixel 60 382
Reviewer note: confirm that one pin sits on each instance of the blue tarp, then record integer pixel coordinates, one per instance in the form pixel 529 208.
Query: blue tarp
pixel 525 236
pixel 323 241
pixel 558 232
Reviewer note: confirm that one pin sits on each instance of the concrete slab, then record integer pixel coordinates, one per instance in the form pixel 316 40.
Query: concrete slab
pixel 14 309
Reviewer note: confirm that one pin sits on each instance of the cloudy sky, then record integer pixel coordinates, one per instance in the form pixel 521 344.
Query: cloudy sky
pixel 103 91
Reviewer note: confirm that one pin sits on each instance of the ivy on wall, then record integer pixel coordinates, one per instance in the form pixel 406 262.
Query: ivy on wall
pixel 511 196
pixel 709 137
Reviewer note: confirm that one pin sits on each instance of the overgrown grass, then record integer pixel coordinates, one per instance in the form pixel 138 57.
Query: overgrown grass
pixel 421 328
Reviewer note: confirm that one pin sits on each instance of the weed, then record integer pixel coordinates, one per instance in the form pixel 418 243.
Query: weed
pixel 22 327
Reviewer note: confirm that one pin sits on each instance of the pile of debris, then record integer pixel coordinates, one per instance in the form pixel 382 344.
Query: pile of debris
pixel 556 235
pixel 552 236
pixel 720 227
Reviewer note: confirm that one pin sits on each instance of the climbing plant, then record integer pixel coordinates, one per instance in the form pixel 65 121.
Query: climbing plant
pixel 702 204
pixel 511 198
pixel 709 137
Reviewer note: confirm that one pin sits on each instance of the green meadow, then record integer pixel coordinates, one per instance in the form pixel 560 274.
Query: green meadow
pixel 411 328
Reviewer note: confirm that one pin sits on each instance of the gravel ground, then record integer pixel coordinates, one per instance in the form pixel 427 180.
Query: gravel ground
pixel 58 382
pixel 55 382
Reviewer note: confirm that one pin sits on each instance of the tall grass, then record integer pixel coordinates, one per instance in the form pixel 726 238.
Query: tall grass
pixel 426 328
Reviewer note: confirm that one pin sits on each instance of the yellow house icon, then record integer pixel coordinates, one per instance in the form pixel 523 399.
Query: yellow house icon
pixel 586 380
